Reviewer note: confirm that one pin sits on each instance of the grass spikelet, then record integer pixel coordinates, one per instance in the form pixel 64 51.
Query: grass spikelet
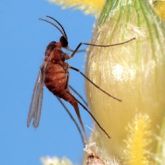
pixel 160 154
pixel 55 161
pixel 138 141
pixel 97 156
pixel 93 7
pixel 159 6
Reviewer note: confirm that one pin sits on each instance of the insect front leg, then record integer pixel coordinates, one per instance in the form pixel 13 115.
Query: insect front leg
pixel 98 45
pixel 75 51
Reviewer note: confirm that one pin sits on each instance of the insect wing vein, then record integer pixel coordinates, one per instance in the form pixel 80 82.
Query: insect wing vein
pixel 36 102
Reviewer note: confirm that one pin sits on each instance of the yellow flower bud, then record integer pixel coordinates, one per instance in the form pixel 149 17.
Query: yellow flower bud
pixel 133 72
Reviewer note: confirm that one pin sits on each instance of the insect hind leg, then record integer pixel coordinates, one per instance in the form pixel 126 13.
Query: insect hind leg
pixel 67 96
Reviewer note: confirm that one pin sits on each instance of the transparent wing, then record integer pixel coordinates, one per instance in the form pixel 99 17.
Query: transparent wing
pixel 36 102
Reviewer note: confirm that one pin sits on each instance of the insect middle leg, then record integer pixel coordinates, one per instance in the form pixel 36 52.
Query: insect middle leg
pixel 67 96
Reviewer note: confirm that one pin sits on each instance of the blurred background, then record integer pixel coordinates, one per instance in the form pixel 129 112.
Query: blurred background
pixel 23 39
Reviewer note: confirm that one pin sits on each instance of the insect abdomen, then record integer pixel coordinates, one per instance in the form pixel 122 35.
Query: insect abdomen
pixel 55 78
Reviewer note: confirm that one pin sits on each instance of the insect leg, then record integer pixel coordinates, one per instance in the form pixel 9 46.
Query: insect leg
pixel 98 45
pixel 78 51
pixel 70 87
pixel 77 70
pixel 71 99
pixel 87 110
pixel 73 119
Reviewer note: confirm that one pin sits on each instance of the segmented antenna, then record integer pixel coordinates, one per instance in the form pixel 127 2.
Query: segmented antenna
pixel 61 28
pixel 64 33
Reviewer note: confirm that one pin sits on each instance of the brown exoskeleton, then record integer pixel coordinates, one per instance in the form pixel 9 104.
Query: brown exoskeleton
pixel 54 74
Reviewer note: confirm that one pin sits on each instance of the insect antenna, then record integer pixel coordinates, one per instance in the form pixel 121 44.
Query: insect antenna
pixel 77 70
pixel 42 19
pixel 83 137
pixel 64 33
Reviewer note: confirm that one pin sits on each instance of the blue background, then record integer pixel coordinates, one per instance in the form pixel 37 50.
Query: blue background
pixel 23 39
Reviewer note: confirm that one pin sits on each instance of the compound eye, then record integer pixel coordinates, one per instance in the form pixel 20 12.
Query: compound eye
pixel 64 41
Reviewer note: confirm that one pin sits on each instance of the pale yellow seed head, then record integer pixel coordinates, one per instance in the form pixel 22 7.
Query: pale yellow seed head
pixel 55 161
pixel 159 6
pixel 93 7
pixel 133 72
